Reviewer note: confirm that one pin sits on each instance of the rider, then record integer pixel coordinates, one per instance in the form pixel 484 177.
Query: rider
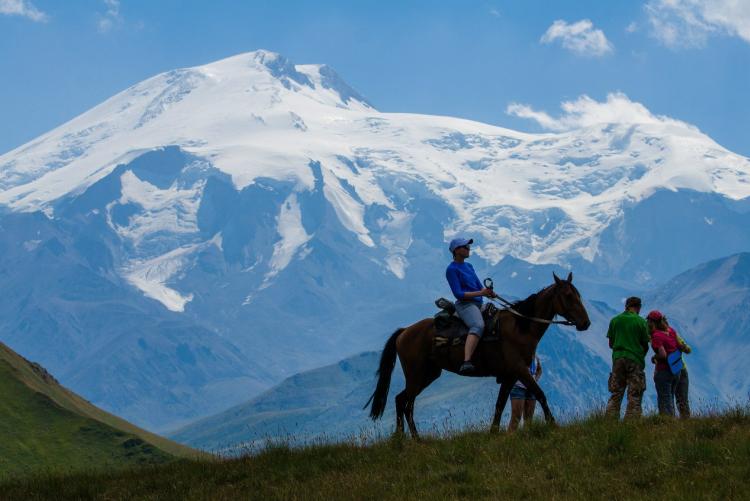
pixel 469 291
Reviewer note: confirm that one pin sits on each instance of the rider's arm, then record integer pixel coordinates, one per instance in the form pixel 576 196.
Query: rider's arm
pixel 611 334
pixel 538 373
pixel 454 281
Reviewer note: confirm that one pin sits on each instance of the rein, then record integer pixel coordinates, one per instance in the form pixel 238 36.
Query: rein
pixel 509 307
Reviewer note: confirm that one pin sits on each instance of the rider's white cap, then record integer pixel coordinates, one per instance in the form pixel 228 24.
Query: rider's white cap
pixel 459 242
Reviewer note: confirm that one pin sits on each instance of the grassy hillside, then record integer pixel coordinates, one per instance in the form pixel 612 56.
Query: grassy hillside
pixel 705 458
pixel 44 426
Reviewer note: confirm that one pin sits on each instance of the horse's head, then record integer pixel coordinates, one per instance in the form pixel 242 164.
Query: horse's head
pixel 568 304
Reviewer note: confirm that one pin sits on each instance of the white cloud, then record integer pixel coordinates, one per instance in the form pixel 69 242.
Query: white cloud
pixel 579 37
pixel 22 8
pixel 586 112
pixel 688 23
pixel 495 12
pixel 632 27
pixel 525 111
pixel 112 17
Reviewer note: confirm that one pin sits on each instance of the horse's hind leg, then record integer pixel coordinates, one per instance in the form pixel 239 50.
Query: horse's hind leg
pixel 408 397
pixel 431 373
pixel 405 407
pixel 401 400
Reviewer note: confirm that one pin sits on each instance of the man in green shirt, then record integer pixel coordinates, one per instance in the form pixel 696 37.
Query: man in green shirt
pixel 629 340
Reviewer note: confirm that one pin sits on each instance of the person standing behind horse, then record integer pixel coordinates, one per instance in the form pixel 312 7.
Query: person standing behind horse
pixel 468 290
pixel 522 401
pixel 629 340
pixel 664 342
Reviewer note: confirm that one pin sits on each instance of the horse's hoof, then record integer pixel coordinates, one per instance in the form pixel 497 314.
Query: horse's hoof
pixel 397 440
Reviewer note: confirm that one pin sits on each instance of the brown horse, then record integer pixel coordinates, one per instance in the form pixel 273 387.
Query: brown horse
pixel 508 360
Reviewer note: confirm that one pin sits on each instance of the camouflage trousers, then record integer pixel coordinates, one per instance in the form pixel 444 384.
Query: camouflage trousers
pixel 626 375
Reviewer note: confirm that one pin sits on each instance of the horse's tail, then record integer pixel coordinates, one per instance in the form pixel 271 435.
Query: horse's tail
pixel 387 362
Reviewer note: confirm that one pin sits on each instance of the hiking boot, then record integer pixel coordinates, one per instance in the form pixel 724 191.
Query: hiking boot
pixel 467 368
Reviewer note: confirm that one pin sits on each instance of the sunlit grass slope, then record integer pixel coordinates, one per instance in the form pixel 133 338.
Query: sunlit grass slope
pixel 703 458
pixel 45 427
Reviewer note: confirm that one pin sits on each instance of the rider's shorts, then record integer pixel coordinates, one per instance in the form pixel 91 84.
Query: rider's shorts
pixel 471 315
pixel 519 393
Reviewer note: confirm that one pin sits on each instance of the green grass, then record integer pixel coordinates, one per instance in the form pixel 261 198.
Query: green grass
pixel 45 427
pixel 702 458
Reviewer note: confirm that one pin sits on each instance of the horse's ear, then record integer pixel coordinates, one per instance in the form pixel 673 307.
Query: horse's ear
pixel 570 276
pixel 557 279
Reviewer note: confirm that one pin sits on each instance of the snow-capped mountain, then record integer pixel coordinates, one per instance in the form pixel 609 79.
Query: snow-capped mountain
pixel 542 198
pixel 276 221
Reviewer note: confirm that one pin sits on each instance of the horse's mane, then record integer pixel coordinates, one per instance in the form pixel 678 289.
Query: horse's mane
pixel 526 307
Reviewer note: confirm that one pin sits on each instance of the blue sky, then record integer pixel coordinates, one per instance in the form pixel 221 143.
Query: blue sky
pixel 686 59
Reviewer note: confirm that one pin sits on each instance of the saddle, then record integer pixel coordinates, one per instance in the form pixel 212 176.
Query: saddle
pixel 450 329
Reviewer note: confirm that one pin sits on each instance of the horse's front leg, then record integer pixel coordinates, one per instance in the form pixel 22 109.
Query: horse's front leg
pixel 502 398
pixel 531 385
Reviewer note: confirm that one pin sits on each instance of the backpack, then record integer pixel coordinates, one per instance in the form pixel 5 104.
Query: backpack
pixel 674 360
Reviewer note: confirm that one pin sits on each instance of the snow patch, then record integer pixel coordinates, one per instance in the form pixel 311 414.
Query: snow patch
pixel 293 236
pixel 151 276
pixel 350 212
pixel 396 239
pixel 31 245
pixel 172 210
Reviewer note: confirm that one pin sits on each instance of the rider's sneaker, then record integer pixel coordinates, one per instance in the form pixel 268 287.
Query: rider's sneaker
pixel 467 368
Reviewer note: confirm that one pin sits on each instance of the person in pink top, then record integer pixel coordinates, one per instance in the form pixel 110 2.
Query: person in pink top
pixel 683 383
pixel 664 342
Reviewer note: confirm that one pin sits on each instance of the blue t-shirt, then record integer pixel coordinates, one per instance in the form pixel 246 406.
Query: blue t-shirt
pixel 462 278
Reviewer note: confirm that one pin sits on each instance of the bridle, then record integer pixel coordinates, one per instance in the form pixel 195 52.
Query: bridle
pixel 508 306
